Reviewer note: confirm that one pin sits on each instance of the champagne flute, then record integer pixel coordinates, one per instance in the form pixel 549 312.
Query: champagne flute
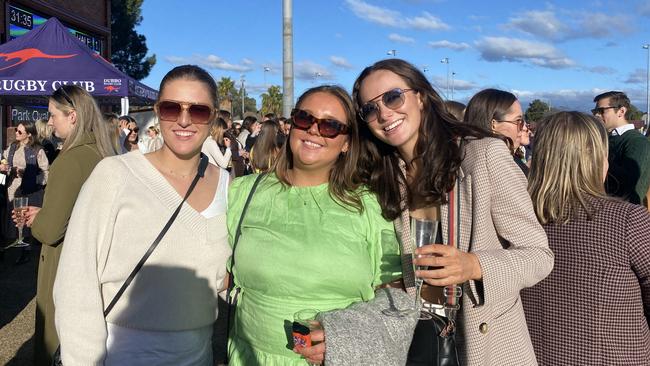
pixel 423 232
pixel 20 208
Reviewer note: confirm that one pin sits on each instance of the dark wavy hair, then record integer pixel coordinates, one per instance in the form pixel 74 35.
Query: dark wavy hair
pixel 438 150
pixel 344 180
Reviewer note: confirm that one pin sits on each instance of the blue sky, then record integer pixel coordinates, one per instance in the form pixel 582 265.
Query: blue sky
pixel 561 52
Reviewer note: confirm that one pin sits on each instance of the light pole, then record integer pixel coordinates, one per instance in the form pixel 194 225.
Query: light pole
pixel 647 88
pixel 266 69
pixel 392 53
pixel 452 84
pixel 446 61
pixel 243 95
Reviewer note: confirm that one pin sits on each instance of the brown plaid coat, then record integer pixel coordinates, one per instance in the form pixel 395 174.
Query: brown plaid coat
pixel 499 226
pixel 593 308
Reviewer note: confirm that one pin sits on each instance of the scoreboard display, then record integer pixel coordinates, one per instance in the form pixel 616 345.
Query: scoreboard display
pixel 22 21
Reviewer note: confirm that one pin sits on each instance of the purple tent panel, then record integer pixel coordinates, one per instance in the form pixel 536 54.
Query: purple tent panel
pixel 37 63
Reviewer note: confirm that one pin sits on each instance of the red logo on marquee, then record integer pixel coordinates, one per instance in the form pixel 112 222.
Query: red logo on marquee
pixel 111 88
pixel 28 54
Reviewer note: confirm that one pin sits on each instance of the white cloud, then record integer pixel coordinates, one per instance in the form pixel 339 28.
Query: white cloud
pixel 308 70
pixel 392 18
pixel 458 84
pixel 638 76
pixel 247 61
pixel 399 38
pixel 209 61
pixel 495 49
pixel 546 25
pixel 427 21
pixel 605 70
pixel 340 62
pixel 563 99
pixel 451 45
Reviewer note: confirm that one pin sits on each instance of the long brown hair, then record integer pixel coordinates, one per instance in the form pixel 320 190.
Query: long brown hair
pixel 343 179
pixel 570 152
pixel 267 146
pixel 488 105
pixel 437 150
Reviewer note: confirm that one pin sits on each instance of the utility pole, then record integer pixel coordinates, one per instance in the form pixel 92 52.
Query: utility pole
pixel 647 88
pixel 452 85
pixel 243 94
pixel 287 57
pixel 392 53
pixel 446 61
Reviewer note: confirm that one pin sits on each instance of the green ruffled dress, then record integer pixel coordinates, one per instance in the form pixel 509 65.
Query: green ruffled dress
pixel 300 249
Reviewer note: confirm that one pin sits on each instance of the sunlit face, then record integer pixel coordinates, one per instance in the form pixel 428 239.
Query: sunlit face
pixel 508 126
pixel 183 137
pixel 398 127
pixel 312 152
pixel 610 116
pixel 21 133
pixel 133 136
pixel 61 123
pixel 525 135
pixel 151 133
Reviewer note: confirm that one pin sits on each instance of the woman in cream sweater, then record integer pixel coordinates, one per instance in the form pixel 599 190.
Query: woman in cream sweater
pixel 166 314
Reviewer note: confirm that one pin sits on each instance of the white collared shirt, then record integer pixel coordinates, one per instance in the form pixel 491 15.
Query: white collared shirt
pixel 621 130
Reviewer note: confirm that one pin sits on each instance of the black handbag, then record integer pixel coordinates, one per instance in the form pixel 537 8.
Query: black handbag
pixel 203 164
pixel 429 347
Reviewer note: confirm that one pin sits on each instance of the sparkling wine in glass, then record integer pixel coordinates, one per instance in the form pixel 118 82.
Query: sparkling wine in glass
pixel 20 209
pixel 423 232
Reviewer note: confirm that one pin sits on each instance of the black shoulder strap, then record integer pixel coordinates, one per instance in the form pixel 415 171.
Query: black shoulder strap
pixel 238 231
pixel 203 164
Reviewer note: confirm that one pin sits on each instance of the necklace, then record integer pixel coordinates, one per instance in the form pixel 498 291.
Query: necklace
pixel 173 173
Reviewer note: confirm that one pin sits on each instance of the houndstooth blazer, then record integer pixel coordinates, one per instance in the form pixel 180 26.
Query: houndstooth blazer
pixel 499 226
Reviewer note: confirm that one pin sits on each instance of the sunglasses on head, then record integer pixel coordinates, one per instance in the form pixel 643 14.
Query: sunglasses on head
pixel 327 127
pixel 169 110
pixel 65 95
pixel 392 99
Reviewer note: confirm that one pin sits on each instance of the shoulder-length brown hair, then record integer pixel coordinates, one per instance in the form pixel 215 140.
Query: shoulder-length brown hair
pixel 567 167
pixel 343 179
pixel 437 150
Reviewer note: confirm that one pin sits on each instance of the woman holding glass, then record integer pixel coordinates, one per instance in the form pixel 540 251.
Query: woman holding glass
pixel 165 316
pixel 594 308
pixel 312 237
pixel 414 153
pixel 26 166
pixel 76 119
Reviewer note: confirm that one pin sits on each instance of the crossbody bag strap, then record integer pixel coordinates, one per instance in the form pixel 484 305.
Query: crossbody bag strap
pixel 203 164
pixel 231 277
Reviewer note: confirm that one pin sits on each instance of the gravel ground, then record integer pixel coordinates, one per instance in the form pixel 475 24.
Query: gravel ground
pixel 17 308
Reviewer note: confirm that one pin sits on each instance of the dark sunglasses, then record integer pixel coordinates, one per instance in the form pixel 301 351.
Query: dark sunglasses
pixel 600 110
pixel 392 99
pixel 65 95
pixel 327 127
pixel 169 110
pixel 520 122
pixel 18 131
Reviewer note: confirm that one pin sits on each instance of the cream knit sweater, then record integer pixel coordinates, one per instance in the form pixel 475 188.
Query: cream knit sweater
pixel 121 209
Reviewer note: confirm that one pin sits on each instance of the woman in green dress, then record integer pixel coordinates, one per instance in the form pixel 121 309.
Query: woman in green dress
pixel 312 237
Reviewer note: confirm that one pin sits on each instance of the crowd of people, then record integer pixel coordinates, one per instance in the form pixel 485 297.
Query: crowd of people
pixel 541 253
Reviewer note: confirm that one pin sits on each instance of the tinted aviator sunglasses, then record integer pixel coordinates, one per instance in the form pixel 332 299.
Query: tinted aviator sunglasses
pixel 520 122
pixel 170 110
pixel 327 127
pixel 392 99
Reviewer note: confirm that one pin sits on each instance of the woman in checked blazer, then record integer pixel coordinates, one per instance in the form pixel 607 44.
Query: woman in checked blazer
pixel 412 145
pixel 593 308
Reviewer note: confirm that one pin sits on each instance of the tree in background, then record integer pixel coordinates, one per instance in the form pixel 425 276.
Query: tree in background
pixel 536 111
pixel 250 104
pixel 225 93
pixel 128 48
pixel 272 101
pixel 634 114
